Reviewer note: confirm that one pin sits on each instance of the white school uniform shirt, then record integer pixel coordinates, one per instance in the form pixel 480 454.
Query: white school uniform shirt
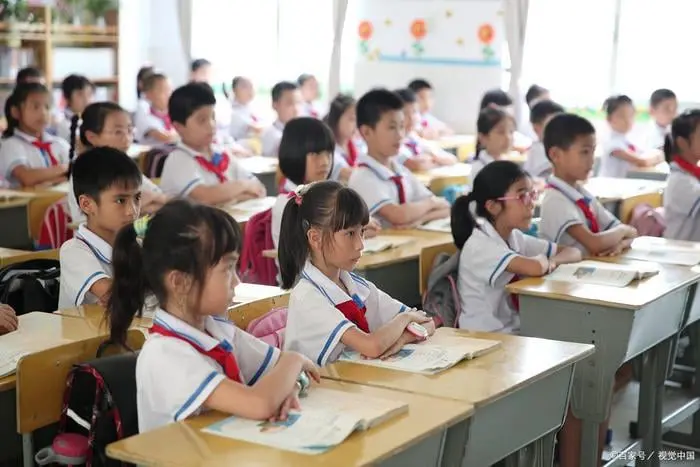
pixel 611 166
pixel 340 162
pixel 182 173
pixel 482 277
pixel 430 121
pixel 480 162
pixel 242 118
pixel 314 324
pixel 558 212
pixel 18 150
pixel 278 210
pixel 311 109
pixel 537 164
pixel 145 121
pixel 656 135
pixel 270 139
pixel 85 259
pixel 173 379
pixel 377 189
pixel 682 205
pixel 64 124
pixel 142 104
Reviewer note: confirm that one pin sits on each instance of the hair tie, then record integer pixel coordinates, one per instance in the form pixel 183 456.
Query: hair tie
pixel 141 226
pixel 297 194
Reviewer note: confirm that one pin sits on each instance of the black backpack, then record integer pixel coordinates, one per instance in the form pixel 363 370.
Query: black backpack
pixel 31 285
pixel 154 160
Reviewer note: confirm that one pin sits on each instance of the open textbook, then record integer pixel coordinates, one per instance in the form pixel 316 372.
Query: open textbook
pixel 15 345
pixel 327 417
pixel 427 358
pixel 601 273
pixel 660 251
pixel 384 242
pixel 438 225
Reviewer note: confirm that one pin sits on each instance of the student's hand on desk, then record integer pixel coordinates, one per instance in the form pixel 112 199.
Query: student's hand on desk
pixel 8 319
pixel 440 203
pixel 290 403
pixel 631 232
pixel 417 316
pixel 406 338
pixel 254 187
pixel 373 228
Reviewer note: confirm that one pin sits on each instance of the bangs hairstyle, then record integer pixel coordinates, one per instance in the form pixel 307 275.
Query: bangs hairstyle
pixel 302 136
pixel 19 95
pixel 93 119
pixel 338 107
pixel 27 74
pixel 187 99
pixel 99 169
pixel 563 130
pixel 488 119
pixel 328 206
pixel 182 236
pixel 74 83
pixel 613 103
pixel 683 126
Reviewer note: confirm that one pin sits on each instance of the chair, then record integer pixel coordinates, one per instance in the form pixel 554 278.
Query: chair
pixel 426 260
pixel 244 313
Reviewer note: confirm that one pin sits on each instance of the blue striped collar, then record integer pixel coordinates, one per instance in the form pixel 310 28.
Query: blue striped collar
pixel 358 287
pixel 219 331
pixel 99 247
pixel 30 139
pixel 381 171
pixel 490 231
pixel 572 193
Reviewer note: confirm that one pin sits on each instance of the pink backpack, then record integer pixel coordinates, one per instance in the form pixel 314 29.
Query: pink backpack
pixel 269 327
pixel 254 268
pixel 648 221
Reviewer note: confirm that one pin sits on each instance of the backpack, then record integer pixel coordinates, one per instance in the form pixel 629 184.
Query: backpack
pixel 254 267
pixel 54 227
pixel 31 285
pixel 154 160
pixel 269 328
pixel 648 221
pixel 441 298
pixel 99 403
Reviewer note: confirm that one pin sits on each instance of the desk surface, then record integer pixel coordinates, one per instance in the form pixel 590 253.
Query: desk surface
pixel 662 168
pixel 405 252
pixel 187 445
pixel 608 189
pixel 258 164
pixel 136 150
pixel 633 297
pixel 519 361
pixel 243 215
pixel 457 174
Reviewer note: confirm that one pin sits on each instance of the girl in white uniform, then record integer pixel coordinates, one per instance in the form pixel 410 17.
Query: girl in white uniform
pixel 342 121
pixel 77 92
pixel 487 227
pixel 331 308
pixel 195 359
pixel 494 138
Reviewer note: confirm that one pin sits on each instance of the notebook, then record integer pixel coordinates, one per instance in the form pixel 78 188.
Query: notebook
pixel 600 273
pixel 427 358
pixel 326 419
pixel 15 345
pixel 438 225
pixel 384 242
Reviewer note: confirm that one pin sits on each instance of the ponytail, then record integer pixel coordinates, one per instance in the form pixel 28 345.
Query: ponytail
pixel 128 294
pixel 223 89
pixel 462 220
pixel 293 245
pixel 488 118
pixel 73 137
pixel 668 148
pixel 19 95
pixel 683 126
pixel 12 122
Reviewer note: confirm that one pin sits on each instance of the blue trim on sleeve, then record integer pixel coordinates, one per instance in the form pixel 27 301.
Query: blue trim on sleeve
pixel 549 250
pixel 378 205
pixel 695 207
pixel 565 226
pixel 190 186
pixel 331 338
pixel 91 277
pixel 195 394
pixel 612 222
pixel 402 309
pixel 498 266
pixel 263 366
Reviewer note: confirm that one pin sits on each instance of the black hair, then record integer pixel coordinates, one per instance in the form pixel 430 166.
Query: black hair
pixel 376 103
pixel 613 103
pixel 28 73
pixel 534 92
pixel 327 205
pixel 418 84
pixel 488 119
pixel 92 119
pixel 280 88
pixel 151 80
pixel 339 105
pixel 542 110
pixel 407 95
pixel 99 169
pixel 182 236
pixel 660 95
pixel 495 97
pixel 143 73
pixel 302 136
pixel 563 130
pixel 492 182
pixel 304 77
pixel 199 63
pixel 187 99
pixel 74 83
pixel 683 126
pixel 19 95
pixel 234 84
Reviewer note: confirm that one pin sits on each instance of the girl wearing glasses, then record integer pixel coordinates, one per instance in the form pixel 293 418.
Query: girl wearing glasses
pixel 487 226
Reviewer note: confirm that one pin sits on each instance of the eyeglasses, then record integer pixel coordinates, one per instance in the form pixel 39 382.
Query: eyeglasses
pixel 529 197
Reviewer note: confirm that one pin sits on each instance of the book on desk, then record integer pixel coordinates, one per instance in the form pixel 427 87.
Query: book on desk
pixel 602 273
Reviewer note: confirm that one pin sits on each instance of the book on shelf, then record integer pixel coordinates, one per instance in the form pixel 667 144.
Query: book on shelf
pixel 602 273
pixel 438 225
pixel 383 243
pixel 327 417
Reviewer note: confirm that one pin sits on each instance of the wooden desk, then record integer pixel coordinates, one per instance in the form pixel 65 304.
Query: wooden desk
pixel 412 439
pixel 658 172
pixel 439 178
pixel 461 145
pixel 9 256
pixel 643 318
pixel 626 193
pixel 14 211
pixel 246 293
pixel 242 216
pixel 524 382
pixel 265 168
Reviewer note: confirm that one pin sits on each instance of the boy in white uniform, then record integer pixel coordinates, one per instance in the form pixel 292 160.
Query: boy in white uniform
pixel 107 184
pixel 663 108
pixel 537 164
pixel 427 125
pixel 194 169
pixel 393 195
pixel 286 100
pixel 152 125
pixel 244 122
pixel 570 215
pixel 308 86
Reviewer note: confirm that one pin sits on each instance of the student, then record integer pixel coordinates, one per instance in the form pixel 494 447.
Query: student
pixel 28 155
pixel 682 151
pixel 416 153
pixel 572 216
pixel 107 124
pixel 499 99
pixel 244 122
pixel 8 319
pixel 493 249
pixel 194 169
pixel 534 94
pixel 200 70
pixel 663 108
pixel 153 125
pixel 77 91
pixel 144 72
pixel 194 359
pixel 308 86
pixel 107 185
pixel 619 155
pixel 537 164
pixel 342 120
pixel 394 196
pixel 286 101
pixel 30 74
pixel 494 137
pixel 427 125
pixel 330 308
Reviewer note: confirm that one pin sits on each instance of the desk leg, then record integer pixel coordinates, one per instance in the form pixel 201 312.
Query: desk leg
pixel 28 450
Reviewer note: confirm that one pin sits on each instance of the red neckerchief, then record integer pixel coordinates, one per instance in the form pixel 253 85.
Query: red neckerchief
pixel 412 145
pixel 164 117
pixel 586 210
pixel 220 355
pixel 45 148
pixel 687 167
pixel 355 314
pixel 218 169
pixel 398 181
pixel 352 154
pixel 631 147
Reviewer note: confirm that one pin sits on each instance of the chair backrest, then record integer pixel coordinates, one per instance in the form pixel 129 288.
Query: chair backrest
pixel 244 313
pixel 41 379
pixel 426 260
